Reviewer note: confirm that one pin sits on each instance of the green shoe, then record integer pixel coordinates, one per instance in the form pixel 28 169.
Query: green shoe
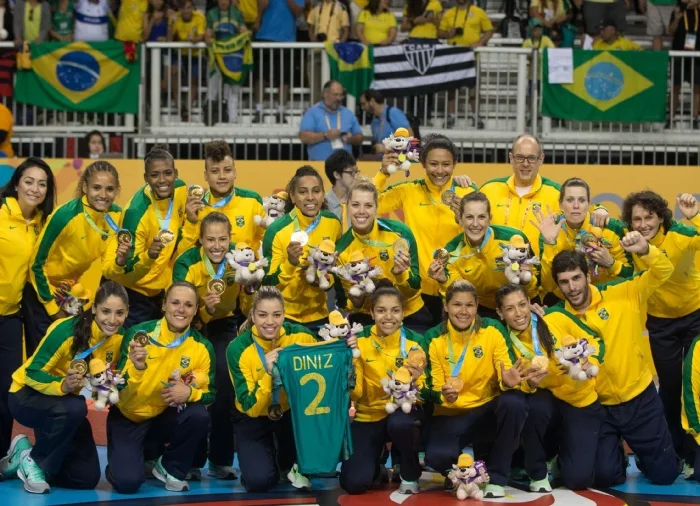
pixel 493 491
pixel 409 487
pixel 32 475
pixel 540 486
pixel 297 479
pixel 10 463
pixel 688 471
pixel 171 483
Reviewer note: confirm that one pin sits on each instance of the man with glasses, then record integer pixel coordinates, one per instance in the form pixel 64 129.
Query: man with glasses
pixel 341 170
pixel 329 126
pixel 515 200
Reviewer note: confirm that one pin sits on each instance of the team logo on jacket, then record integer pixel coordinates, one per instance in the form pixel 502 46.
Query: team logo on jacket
pixel 230 280
pixel 384 255
pixel 109 357
pixel 478 351
pixel 603 314
pixel 184 362
pixel 240 221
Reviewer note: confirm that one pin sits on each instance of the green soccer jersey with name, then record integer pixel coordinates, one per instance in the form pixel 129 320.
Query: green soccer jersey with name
pixel 317 379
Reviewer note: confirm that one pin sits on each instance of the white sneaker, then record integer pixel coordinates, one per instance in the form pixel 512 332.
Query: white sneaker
pixel 493 491
pixel 409 487
pixel 222 472
pixel 32 475
pixel 541 486
pixel 194 474
pixel 297 479
pixel 171 483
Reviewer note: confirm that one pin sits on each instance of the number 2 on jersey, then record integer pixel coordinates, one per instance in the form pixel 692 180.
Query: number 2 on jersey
pixel 313 408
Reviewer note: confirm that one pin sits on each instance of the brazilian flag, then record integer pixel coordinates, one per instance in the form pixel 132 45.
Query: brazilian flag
pixel 626 86
pixel 81 76
pixel 352 65
pixel 233 58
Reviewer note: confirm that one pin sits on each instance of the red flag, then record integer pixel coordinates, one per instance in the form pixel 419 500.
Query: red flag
pixel 8 61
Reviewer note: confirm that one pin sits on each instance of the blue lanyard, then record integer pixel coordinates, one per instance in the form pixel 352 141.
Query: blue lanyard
pixel 83 354
pixel 456 368
pixel 210 268
pixel 165 222
pixel 535 337
pixel 111 223
pixel 276 383
pixel 310 228
pixel 175 344
pixel 222 202
pixel 402 345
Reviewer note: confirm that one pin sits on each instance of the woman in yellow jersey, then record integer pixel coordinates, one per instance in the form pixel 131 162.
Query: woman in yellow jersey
pixel 391 246
pixel 476 254
pixel 563 413
pixel 206 268
pixel 263 425
pixel 473 373
pixel 26 202
pixel 169 380
pixel 572 229
pixel 45 397
pixel 384 349
pixel 75 236
pixel 287 244
pixel 376 24
pixel 421 19
pixel 431 220
pixel 690 415
pixel 153 217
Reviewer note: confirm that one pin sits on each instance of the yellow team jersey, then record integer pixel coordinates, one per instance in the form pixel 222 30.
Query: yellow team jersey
pixel 690 414
pixel 140 398
pixel 378 357
pixel 194 266
pixel 433 223
pixel 483 352
pixel 473 21
pixel 130 20
pixel 303 302
pixel 144 217
pixel 329 17
pixel 46 369
pixel 378 245
pixel 74 237
pixel 569 239
pixel 619 44
pixel 541 44
pixel 562 323
pixel 615 314
pixel 249 9
pixel 6 122
pixel 483 265
pixel 17 240
pixel 510 209
pixel 195 26
pixel 376 28
pixel 245 357
pixel 427 30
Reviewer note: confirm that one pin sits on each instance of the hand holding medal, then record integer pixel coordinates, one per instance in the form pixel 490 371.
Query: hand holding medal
pixel 137 349
pixel 74 376
pixel 194 202
pixel 402 260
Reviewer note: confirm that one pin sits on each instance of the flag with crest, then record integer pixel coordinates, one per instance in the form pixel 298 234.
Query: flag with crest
pixel 232 58
pixel 352 65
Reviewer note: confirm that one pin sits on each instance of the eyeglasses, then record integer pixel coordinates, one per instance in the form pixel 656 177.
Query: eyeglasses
pixel 531 159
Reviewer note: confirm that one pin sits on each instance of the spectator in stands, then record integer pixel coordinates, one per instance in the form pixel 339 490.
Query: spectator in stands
pixel 94 145
pixel 421 19
pixel 277 20
pixel 7 29
pixel 684 26
pixel 341 170
pixel 537 42
pixel 130 20
pixel 32 21
pixel 328 21
pixel 91 20
pixel 328 125
pixel 465 25
pixel 6 124
pixel 611 40
pixel 62 21
pixel 156 24
pixel 553 15
pixel 189 25
pixel 376 24
pixel 386 119
pixel 249 9
pixel 595 12
pixel 659 14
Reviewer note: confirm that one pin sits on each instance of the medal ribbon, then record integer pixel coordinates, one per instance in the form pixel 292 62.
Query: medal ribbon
pixel 220 203
pixel 402 345
pixel 276 379
pixel 210 268
pixel 430 197
pixel 457 367
pixel 83 354
pixel 164 223
pixel 310 228
pixel 372 242
pixel 108 219
pixel 175 344
pixel 458 252
pixel 535 341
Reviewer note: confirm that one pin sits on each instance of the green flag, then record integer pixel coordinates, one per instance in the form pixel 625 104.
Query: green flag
pixel 352 65
pixel 81 76
pixel 627 86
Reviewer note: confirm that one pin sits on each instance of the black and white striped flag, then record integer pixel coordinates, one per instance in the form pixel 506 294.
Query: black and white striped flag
pixel 413 69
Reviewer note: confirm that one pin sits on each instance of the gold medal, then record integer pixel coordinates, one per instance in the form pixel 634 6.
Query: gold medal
pixel 448 197
pixel 301 237
pixel 195 191
pixel 401 246
pixel 79 365
pixel 416 358
pixel 141 338
pixel 442 256
pixel 540 362
pixel 455 383
pixel 166 236
pixel 124 236
pixel 216 286
pixel 274 412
